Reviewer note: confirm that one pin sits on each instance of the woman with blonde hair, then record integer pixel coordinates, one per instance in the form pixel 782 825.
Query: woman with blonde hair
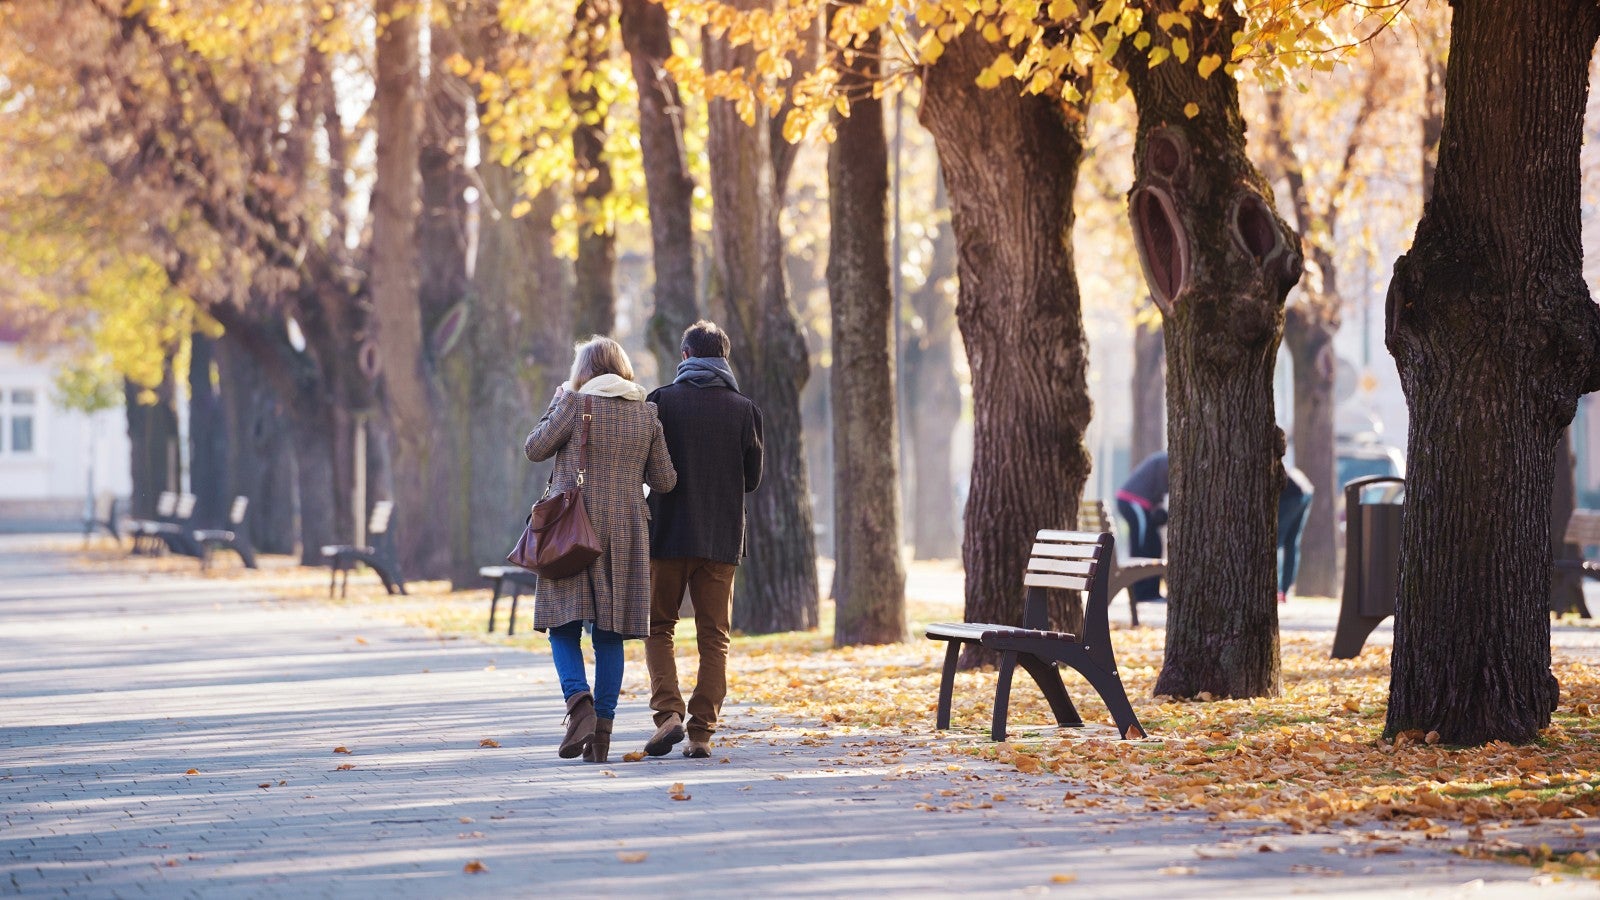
pixel 612 596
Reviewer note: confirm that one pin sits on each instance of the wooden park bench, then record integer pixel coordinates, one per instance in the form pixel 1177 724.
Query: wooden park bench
pixel 1124 573
pixel 107 522
pixel 1583 529
pixel 145 541
pixel 1066 560
pixel 234 537
pixel 379 556
pixel 518 578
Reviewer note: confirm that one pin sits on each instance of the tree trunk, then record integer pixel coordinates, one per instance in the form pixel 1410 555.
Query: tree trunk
pixel 422 464
pixel 1010 163
pixel 210 480
pixel 1149 389
pixel 261 455
pixel 1309 336
pixel 1218 261
pixel 777 587
pixel 933 398
pixel 588 47
pixel 870 578
pixel 648 37
pixel 153 442
pixel 1495 337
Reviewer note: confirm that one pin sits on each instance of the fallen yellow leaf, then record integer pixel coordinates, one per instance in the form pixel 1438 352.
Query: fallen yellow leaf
pixel 632 856
pixel 474 867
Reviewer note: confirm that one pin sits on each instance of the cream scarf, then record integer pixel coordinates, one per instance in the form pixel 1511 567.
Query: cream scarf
pixel 609 386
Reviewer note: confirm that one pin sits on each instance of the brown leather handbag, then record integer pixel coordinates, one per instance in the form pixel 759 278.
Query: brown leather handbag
pixel 558 540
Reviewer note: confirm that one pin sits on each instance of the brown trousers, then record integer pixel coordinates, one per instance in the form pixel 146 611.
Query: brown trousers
pixel 710 586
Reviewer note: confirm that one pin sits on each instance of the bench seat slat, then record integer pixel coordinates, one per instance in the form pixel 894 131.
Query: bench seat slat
pixel 1065 582
pixel 960 631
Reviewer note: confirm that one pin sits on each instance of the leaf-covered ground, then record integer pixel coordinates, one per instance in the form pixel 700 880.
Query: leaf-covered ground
pixel 1308 760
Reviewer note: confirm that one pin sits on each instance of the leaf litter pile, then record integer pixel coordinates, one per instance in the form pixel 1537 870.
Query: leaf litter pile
pixel 1309 760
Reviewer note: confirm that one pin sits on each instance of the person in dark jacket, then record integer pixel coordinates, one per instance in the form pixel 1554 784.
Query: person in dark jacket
pixel 1142 504
pixel 697 533
pixel 1294 506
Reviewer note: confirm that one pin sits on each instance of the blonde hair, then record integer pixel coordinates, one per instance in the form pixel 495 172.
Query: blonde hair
pixel 599 356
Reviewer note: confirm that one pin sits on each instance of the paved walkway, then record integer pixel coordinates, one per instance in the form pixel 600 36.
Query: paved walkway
pixel 113 688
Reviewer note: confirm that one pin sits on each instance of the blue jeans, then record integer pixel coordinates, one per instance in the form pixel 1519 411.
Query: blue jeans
pixel 1292 517
pixel 567 651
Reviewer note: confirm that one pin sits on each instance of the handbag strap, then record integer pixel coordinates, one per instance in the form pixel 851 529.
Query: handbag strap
pixel 583 446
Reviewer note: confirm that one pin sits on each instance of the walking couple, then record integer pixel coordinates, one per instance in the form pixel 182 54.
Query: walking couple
pixel 696 444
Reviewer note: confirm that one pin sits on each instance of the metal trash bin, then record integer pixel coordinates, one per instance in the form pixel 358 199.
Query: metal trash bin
pixel 1371 562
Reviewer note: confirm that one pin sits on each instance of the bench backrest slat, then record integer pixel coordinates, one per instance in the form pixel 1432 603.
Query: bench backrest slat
pixel 1065 582
pixel 1084 568
pixel 166 503
pixel 186 506
pixel 1073 537
pixel 1583 528
pixel 1092 516
pixel 236 514
pixel 1064 551
pixel 379 522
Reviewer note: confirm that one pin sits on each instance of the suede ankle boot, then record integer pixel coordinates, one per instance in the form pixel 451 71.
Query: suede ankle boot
pixel 580 725
pixel 600 747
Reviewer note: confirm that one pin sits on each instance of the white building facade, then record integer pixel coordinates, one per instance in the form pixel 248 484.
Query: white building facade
pixel 52 460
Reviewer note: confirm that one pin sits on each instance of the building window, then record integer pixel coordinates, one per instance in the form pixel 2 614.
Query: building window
pixel 19 422
pixel 23 406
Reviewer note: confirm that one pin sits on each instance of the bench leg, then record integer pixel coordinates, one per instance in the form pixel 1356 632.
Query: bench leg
pixel 344 585
pixel 494 600
pixel 1109 686
pixel 1048 677
pixel 1133 610
pixel 511 623
pixel 947 684
pixel 1002 695
pixel 247 554
pixel 333 576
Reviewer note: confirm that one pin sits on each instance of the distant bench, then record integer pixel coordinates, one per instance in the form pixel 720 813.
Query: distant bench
pixel 1124 573
pixel 515 576
pixel 1583 529
pixel 1067 560
pixel 379 557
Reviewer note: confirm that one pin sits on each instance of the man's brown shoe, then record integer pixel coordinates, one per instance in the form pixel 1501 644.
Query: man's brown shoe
pixel 698 750
pixel 670 733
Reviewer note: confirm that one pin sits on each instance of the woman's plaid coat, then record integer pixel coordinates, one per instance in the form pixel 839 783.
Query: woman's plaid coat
pixel 626 451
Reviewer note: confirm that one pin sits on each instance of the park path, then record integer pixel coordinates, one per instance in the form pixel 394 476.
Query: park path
pixel 113 687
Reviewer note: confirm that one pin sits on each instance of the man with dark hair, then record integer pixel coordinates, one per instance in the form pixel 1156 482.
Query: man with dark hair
pixel 713 435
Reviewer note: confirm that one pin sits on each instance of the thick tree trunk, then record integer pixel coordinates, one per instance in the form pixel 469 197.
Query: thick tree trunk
pixel 1495 336
pixel 588 47
pixel 153 442
pixel 1309 336
pixel 777 585
pixel 210 479
pixel 1218 261
pixel 870 578
pixel 1149 390
pixel 261 455
pixel 1010 163
pixel 648 38
pixel 422 463
pixel 933 399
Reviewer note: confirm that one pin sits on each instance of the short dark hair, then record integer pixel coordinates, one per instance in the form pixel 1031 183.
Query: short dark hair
pixel 705 339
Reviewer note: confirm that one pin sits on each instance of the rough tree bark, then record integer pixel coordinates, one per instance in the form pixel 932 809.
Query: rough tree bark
pixel 870 579
pixel 648 38
pixel 1218 261
pixel 588 46
pixel 261 457
pixel 777 585
pixel 1149 388
pixel 933 398
pixel 421 449
pixel 1495 337
pixel 1010 163
pixel 210 479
